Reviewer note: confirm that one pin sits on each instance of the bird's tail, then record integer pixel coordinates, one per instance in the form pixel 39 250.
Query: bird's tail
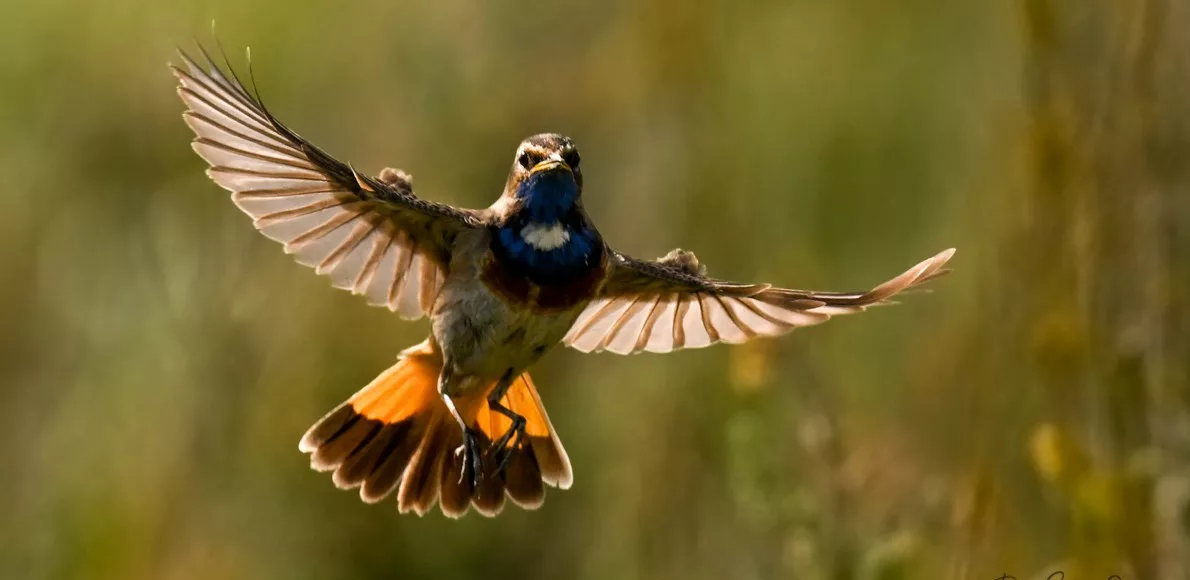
pixel 397 434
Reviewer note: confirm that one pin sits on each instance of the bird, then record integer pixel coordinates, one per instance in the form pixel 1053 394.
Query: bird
pixel 457 421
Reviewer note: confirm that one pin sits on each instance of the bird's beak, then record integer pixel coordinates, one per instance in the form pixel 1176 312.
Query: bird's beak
pixel 551 163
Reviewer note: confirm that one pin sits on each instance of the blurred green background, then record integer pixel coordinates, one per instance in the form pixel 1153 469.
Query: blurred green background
pixel 160 359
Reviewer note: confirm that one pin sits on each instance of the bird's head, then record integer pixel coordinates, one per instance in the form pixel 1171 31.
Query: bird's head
pixel 542 231
pixel 545 183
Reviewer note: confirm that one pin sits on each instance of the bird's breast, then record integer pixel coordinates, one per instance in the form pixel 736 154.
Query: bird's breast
pixel 490 317
pixel 508 280
pixel 544 266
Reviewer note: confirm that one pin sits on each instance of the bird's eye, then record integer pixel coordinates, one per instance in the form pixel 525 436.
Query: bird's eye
pixel 572 159
pixel 525 160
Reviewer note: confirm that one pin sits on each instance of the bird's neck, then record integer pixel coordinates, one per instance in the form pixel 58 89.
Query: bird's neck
pixel 551 246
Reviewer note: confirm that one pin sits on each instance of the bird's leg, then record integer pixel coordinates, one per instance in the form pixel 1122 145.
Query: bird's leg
pixel 470 447
pixel 512 438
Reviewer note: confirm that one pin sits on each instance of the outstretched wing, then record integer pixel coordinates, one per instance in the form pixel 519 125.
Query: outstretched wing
pixel 371 236
pixel 667 304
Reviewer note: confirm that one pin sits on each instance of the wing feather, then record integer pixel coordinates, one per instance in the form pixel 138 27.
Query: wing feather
pixel 601 319
pixel 360 229
pixel 750 316
pixel 668 304
pixel 694 325
pixel 661 335
pixel 379 244
pixel 370 236
pixel 624 334
pixel 352 256
pixel 731 329
pixel 380 286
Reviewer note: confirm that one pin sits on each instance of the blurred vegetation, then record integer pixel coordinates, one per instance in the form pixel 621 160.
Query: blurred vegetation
pixel 160 359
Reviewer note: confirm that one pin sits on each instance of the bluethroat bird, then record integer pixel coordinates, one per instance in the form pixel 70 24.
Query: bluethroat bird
pixel 457 421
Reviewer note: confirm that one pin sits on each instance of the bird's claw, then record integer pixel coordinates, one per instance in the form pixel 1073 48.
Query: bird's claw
pixel 472 460
pixel 510 440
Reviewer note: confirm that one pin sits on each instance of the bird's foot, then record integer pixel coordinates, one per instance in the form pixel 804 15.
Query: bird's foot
pixel 472 460
pixel 508 442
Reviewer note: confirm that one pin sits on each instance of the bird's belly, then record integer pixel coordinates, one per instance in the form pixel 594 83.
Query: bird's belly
pixel 484 335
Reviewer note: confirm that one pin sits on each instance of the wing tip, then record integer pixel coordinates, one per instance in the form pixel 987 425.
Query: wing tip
pixel 941 258
pixel 920 272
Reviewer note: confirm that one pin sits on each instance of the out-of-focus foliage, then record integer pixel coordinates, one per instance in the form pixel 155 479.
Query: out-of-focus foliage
pixel 160 359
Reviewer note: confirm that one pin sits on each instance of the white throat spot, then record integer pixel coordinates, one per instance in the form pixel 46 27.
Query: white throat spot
pixel 545 237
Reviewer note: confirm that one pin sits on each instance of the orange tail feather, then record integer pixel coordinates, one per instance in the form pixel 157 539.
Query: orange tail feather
pixel 396 434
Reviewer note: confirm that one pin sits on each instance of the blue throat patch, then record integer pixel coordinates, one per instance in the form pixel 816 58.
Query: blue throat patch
pixel 550 199
pixel 550 195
